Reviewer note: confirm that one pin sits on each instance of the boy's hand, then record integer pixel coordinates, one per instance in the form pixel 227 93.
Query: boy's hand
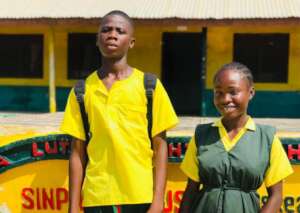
pixel 156 208
pixel 160 149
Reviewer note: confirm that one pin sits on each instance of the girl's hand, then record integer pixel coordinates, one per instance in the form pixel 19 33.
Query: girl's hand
pixel 275 199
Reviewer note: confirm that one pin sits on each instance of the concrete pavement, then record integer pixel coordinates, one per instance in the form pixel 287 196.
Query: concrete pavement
pixel 14 123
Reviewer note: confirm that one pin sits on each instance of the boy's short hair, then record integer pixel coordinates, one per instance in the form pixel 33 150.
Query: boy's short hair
pixel 238 67
pixel 119 13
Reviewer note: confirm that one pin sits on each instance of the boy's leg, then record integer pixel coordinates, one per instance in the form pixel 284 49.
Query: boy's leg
pixel 135 208
pixel 100 209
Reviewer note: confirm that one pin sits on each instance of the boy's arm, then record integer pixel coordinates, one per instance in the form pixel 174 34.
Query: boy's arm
pixel 160 160
pixel 275 198
pixel 77 163
pixel 189 194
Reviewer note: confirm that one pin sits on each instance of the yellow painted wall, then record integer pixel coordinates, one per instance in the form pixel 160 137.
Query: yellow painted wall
pixel 146 54
pixel 220 51
pixel 60 41
pixel 48 175
pixel 52 175
pixel 48 180
pixel 28 30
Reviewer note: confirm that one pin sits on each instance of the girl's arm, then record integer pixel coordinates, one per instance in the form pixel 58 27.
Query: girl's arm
pixel 77 164
pixel 275 199
pixel 189 194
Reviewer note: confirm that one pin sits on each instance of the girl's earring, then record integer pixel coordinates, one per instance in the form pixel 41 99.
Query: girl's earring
pixel 252 93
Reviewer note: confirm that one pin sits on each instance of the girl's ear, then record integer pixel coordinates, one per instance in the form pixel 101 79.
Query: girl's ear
pixel 252 93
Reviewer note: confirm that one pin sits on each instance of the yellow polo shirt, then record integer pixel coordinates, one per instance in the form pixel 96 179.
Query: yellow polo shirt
pixel 279 168
pixel 119 170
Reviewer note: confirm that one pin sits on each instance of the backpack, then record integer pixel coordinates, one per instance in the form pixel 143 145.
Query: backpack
pixel 149 85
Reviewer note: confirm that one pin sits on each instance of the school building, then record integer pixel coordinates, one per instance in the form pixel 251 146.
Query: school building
pixel 46 46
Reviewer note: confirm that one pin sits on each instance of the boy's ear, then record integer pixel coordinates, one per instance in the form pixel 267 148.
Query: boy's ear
pixel 132 42
pixel 252 92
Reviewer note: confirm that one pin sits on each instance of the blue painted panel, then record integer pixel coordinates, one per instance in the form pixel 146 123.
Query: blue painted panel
pixel 62 94
pixel 30 98
pixel 36 99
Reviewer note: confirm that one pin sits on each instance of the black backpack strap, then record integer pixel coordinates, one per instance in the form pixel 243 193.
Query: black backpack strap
pixel 149 84
pixel 79 90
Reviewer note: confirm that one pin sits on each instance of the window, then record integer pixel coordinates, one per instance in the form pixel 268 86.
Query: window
pixel 83 55
pixel 265 54
pixel 21 56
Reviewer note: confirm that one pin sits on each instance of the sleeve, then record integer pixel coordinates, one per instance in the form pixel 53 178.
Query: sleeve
pixel 190 164
pixel 164 116
pixel 280 166
pixel 72 122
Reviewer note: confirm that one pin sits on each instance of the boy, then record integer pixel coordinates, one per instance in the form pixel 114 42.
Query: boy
pixel 118 171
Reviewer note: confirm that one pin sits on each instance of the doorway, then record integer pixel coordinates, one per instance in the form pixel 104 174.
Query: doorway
pixel 182 71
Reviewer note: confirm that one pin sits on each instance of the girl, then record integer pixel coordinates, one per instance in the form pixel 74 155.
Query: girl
pixel 227 161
